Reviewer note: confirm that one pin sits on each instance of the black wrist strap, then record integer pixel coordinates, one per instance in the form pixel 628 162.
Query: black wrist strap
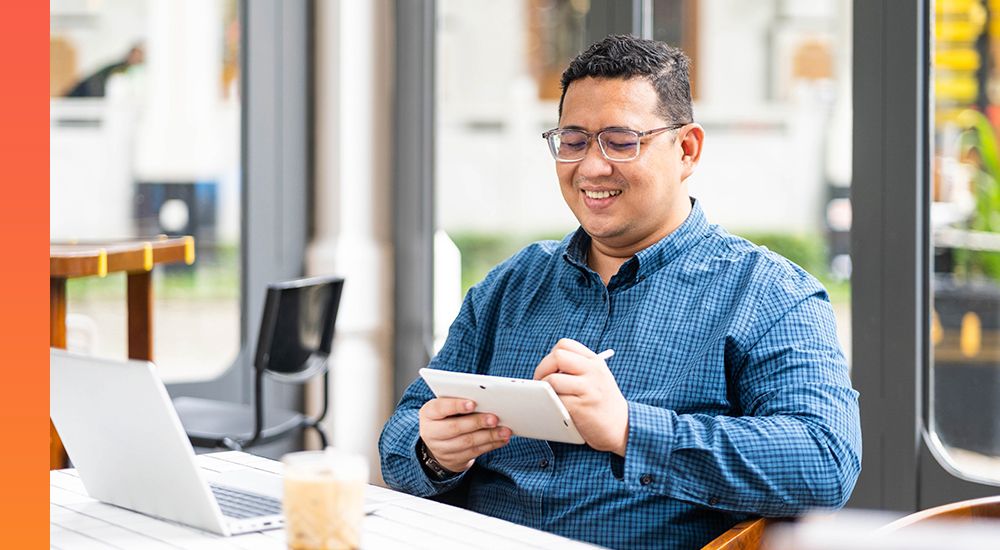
pixel 431 466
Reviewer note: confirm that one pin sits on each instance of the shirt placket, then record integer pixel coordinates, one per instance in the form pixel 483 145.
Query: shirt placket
pixel 591 320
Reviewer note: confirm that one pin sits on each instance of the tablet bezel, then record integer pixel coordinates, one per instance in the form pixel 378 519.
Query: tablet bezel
pixel 530 408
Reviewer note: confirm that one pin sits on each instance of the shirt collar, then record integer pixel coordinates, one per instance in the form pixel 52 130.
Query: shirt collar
pixel 693 230
pixel 652 258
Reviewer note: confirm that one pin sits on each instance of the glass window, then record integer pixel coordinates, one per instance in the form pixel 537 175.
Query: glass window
pixel 771 87
pixel 965 231
pixel 495 187
pixel 145 140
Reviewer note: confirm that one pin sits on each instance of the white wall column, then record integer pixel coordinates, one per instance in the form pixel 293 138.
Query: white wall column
pixel 184 61
pixel 353 211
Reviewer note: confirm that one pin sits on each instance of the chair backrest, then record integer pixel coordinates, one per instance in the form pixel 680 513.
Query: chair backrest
pixel 979 508
pixel 745 535
pixel 297 327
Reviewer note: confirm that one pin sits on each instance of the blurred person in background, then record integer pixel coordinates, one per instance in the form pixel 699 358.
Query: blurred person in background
pixel 95 85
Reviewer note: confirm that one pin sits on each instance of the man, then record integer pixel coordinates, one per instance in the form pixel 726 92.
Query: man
pixel 728 396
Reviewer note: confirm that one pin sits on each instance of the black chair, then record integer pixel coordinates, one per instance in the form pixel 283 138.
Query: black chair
pixel 296 332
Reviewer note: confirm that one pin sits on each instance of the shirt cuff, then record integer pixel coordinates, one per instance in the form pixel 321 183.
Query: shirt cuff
pixel 650 443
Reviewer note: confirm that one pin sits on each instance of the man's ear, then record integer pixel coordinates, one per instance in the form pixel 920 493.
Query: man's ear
pixel 692 141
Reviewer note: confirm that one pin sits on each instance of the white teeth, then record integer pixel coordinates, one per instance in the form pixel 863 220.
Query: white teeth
pixel 602 194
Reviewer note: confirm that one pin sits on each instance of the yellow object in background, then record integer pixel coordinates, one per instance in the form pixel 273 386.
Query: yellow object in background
pixel 189 250
pixel 971 340
pixel 951 7
pixel 962 89
pixel 958 59
pixel 102 263
pixel 937 332
pixel 957 31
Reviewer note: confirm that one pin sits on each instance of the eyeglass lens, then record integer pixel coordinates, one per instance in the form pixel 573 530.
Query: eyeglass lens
pixel 615 144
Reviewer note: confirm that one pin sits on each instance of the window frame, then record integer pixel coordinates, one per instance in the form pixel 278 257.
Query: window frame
pixel 413 191
pixel 891 255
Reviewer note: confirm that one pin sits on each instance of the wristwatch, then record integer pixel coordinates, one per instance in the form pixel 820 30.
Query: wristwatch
pixel 431 466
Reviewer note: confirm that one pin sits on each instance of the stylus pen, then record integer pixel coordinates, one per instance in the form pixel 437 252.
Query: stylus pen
pixel 606 354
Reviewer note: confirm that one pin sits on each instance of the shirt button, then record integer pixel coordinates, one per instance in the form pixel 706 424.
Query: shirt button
pixel 544 463
pixel 646 479
pixel 713 501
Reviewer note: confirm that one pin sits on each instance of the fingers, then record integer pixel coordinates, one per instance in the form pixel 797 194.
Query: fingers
pixel 576 347
pixel 558 360
pixel 462 460
pixel 457 426
pixel 443 407
pixel 487 447
pixel 566 384
pixel 565 361
pixel 548 365
pixel 473 444
pixel 456 441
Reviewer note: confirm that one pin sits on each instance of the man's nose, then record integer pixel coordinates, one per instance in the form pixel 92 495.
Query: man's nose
pixel 594 164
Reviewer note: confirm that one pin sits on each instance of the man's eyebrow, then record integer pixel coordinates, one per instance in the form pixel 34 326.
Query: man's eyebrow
pixel 581 128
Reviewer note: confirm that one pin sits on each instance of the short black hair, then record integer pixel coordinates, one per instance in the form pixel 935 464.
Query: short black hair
pixel 624 56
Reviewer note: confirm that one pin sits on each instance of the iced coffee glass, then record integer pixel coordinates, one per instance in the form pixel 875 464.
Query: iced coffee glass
pixel 324 499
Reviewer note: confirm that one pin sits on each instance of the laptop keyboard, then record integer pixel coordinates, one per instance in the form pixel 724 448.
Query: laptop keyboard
pixel 242 504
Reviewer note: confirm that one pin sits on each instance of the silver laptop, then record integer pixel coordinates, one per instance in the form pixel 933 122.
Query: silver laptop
pixel 129 448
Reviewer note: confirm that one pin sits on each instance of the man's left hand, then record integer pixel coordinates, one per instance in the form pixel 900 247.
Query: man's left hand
pixel 589 390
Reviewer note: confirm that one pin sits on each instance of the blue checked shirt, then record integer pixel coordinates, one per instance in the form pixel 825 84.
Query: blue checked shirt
pixel 738 393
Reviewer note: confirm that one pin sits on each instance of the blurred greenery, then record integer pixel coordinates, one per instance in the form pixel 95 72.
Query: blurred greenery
pixel 978 146
pixel 214 275
pixel 483 251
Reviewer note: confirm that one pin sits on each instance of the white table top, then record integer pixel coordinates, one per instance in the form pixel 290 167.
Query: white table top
pixel 79 522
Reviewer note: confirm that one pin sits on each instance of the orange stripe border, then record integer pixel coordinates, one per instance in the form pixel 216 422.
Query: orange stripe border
pixel 24 215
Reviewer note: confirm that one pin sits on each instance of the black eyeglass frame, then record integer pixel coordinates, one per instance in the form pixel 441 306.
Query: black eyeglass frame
pixel 600 142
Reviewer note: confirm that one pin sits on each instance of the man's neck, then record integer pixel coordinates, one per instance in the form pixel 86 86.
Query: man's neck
pixel 605 265
pixel 607 260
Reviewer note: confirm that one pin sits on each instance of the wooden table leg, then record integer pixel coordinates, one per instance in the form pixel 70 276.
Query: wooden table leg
pixel 140 315
pixel 57 313
pixel 57 339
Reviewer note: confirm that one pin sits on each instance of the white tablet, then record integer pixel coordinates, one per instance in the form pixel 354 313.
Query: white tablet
pixel 530 408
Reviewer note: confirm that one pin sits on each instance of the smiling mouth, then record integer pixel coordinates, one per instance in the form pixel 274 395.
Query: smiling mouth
pixel 601 194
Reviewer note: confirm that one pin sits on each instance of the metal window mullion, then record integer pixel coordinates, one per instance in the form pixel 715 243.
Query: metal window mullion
pixel 413 190
pixel 888 282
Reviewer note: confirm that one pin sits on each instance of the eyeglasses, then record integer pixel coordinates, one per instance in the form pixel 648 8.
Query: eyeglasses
pixel 617 144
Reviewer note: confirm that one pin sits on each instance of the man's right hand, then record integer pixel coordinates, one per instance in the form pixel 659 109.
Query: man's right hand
pixel 455 435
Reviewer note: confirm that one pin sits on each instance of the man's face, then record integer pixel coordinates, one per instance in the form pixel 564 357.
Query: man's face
pixel 648 197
